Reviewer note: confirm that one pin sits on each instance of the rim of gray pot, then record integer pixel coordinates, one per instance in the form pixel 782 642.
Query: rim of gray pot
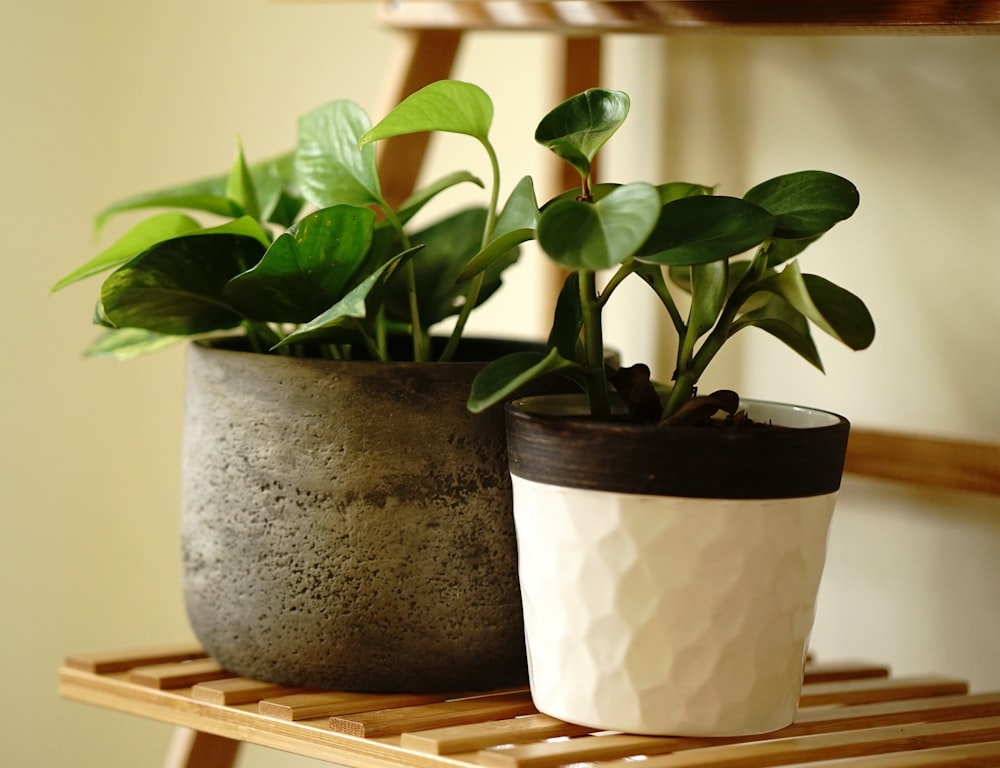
pixel 689 461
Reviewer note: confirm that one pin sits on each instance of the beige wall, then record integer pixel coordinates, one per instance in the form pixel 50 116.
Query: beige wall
pixel 104 98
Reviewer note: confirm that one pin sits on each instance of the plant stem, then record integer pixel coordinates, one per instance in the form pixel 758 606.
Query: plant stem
pixel 417 332
pixel 593 339
pixel 476 283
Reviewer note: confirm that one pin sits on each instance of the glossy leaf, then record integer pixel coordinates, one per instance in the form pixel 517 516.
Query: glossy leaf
pixel 515 225
pixel 176 287
pixel 271 177
pixel 704 228
pixel 339 323
pixel 835 310
pixel 450 106
pixel 709 283
pixel 567 320
pixel 128 343
pixel 577 128
pixel 306 270
pixel 330 165
pixel 592 236
pixel 449 245
pixel 143 235
pixel 807 203
pixel 240 186
pixel 502 378
pixel 415 202
pixel 784 322
pixel 676 190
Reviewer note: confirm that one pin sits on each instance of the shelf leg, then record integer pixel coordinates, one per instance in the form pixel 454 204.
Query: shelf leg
pixel 195 749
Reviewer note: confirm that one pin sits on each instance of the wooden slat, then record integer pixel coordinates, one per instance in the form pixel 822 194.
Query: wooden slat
pixel 239 690
pixel 181 675
pixel 985 755
pixel 828 746
pixel 879 689
pixel 833 671
pixel 306 706
pixel 677 16
pixel 105 663
pixel 944 463
pixel 476 736
pixel 392 722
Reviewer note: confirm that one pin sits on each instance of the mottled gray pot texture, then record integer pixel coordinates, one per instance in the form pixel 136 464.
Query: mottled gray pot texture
pixel 348 524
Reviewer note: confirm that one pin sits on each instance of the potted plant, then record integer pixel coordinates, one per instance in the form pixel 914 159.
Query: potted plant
pixel 346 521
pixel 669 557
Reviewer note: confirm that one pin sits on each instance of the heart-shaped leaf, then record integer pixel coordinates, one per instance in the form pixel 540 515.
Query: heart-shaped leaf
pixel 451 106
pixel 176 287
pixel 515 225
pixel 704 228
pixel 709 285
pixel 307 270
pixel 581 235
pixel 340 323
pixel 805 204
pixel 331 166
pixel 576 129
pixel 140 237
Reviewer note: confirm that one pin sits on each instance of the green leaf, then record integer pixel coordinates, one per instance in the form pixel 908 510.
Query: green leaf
pixel 340 322
pixel 502 378
pixel 709 284
pixel 176 286
pixel 576 129
pixel 835 310
pixel 450 244
pixel 676 190
pixel 271 177
pixel 451 106
pixel 128 343
pixel 704 228
pixel 412 205
pixel 240 187
pixel 306 270
pixel 331 166
pixel 515 225
pixel 593 236
pixel 244 226
pixel 807 203
pixel 140 237
pixel 784 322
pixel 567 320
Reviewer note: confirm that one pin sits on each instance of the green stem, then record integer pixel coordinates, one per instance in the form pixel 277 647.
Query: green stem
pixel 476 284
pixel 417 332
pixel 593 338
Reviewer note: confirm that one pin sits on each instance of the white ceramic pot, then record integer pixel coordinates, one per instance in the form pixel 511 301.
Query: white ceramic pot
pixel 670 614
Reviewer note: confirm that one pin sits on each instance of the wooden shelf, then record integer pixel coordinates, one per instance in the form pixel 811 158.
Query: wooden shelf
pixel 680 16
pixel 850 710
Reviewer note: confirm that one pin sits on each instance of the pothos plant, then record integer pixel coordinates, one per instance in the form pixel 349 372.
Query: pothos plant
pixel 676 237
pixel 303 255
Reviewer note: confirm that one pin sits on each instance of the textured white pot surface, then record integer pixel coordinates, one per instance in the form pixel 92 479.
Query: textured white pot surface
pixel 668 616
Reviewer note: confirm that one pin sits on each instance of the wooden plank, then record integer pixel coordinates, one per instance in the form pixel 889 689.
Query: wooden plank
pixel 239 690
pixel 123 661
pixel 475 736
pixel 306 706
pixel 678 16
pixel 868 691
pixel 937 462
pixel 833 671
pixel 984 755
pixel 181 675
pixel 828 746
pixel 821 720
pixel 392 722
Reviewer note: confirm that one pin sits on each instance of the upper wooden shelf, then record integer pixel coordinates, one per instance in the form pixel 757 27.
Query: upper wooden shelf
pixel 676 16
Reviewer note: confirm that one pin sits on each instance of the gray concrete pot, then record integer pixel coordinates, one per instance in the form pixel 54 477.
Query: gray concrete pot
pixel 348 524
